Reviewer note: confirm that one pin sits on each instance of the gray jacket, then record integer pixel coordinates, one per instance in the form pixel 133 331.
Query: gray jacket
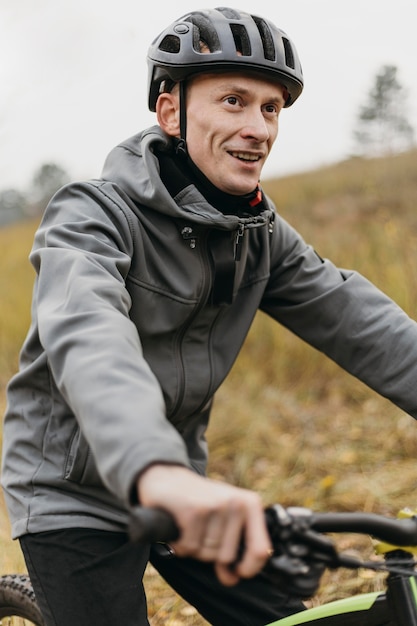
pixel 127 344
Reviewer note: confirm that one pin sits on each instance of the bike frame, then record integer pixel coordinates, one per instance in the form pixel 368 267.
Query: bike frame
pixel 361 606
pixel 398 606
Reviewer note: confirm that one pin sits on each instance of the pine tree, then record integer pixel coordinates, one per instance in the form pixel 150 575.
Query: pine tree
pixel 383 126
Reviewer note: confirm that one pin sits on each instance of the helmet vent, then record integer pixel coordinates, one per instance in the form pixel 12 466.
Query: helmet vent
pixel 241 39
pixel 205 37
pixel 289 54
pixel 229 13
pixel 266 38
pixel 170 43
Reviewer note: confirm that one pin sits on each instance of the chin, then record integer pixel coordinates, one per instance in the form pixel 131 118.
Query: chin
pixel 242 191
pixel 241 188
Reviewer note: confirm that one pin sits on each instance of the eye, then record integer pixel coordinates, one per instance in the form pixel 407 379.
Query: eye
pixel 271 109
pixel 232 100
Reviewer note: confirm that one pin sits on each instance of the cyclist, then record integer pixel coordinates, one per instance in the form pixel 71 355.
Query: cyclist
pixel 147 282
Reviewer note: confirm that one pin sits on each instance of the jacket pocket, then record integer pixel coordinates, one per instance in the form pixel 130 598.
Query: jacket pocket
pixel 80 466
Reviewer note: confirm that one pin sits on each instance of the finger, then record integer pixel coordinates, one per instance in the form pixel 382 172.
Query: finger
pixel 258 547
pixel 213 537
pixel 232 534
pixel 202 538
pixel 191 536
pixel 226 574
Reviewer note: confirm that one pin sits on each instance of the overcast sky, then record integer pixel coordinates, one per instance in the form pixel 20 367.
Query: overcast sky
pixel 73 76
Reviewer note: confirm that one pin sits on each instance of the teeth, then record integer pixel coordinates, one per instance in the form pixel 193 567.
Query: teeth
pixel 245 156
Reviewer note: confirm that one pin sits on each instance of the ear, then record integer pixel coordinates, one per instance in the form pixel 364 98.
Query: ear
pixel 168 113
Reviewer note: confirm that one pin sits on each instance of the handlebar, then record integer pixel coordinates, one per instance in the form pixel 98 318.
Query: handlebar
pixel 302 550
pixel 400 532
pixel 153 525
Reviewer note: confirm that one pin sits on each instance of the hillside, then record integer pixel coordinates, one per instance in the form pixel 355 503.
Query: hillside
pixel 288 422
pixel 331 432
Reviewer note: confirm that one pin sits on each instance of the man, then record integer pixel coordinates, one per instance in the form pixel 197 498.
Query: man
pixel 147 283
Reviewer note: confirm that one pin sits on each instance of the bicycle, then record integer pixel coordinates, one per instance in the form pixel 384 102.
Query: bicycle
pixel 302 552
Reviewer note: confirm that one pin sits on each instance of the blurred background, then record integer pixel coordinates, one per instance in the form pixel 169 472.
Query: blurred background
pixel 73 76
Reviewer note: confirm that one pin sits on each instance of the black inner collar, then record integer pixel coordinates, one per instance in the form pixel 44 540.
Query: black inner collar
pixel 178 171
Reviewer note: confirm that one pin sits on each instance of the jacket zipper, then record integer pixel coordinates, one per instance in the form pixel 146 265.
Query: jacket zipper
pixel 189 235
pixel 239 241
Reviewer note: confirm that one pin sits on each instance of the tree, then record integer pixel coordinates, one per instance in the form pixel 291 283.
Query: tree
pixel 383 127
pixel 16 205
pixel 13 205
pixel 46 181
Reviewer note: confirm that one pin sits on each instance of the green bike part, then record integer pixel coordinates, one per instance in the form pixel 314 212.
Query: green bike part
pixel 413 586
pixel 362 602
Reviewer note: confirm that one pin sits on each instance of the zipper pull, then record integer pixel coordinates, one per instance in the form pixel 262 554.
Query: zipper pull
pixel 271 223
pixel 188 234
pixel 238 241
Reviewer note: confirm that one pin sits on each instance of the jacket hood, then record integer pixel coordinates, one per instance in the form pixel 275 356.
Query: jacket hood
pixel 134 167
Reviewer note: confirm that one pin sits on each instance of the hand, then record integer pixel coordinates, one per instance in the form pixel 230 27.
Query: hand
pixel 213 519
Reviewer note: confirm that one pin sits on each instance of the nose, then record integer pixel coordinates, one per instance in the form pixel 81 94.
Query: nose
pixel 255 126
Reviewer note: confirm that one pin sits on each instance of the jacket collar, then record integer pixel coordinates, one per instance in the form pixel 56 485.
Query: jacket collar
pixel 178 171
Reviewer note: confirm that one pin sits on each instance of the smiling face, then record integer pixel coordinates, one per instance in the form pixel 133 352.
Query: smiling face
pixel 232 123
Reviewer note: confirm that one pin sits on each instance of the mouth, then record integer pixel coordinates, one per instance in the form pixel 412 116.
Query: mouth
pixel 247 157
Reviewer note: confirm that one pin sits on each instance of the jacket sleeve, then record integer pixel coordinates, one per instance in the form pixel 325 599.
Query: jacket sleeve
pixel 343 315
pixel 82 254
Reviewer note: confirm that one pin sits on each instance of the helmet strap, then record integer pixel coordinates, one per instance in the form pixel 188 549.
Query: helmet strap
pixel 181 147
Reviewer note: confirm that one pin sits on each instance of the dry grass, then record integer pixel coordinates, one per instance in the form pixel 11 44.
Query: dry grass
pixel 288 422
pixel 15 285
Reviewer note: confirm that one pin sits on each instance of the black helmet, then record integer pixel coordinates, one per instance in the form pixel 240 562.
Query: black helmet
pixel 219 40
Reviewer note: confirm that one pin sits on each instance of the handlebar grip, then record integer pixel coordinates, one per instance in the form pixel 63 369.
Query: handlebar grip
pixel 399 532
pixel 150 525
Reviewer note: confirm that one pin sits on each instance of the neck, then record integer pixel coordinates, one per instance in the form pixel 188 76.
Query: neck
pixel 178 170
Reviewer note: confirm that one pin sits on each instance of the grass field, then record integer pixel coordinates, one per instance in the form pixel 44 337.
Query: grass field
pixel 288 422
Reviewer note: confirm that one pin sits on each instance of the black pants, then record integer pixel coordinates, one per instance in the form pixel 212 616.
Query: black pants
pixel 89 577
